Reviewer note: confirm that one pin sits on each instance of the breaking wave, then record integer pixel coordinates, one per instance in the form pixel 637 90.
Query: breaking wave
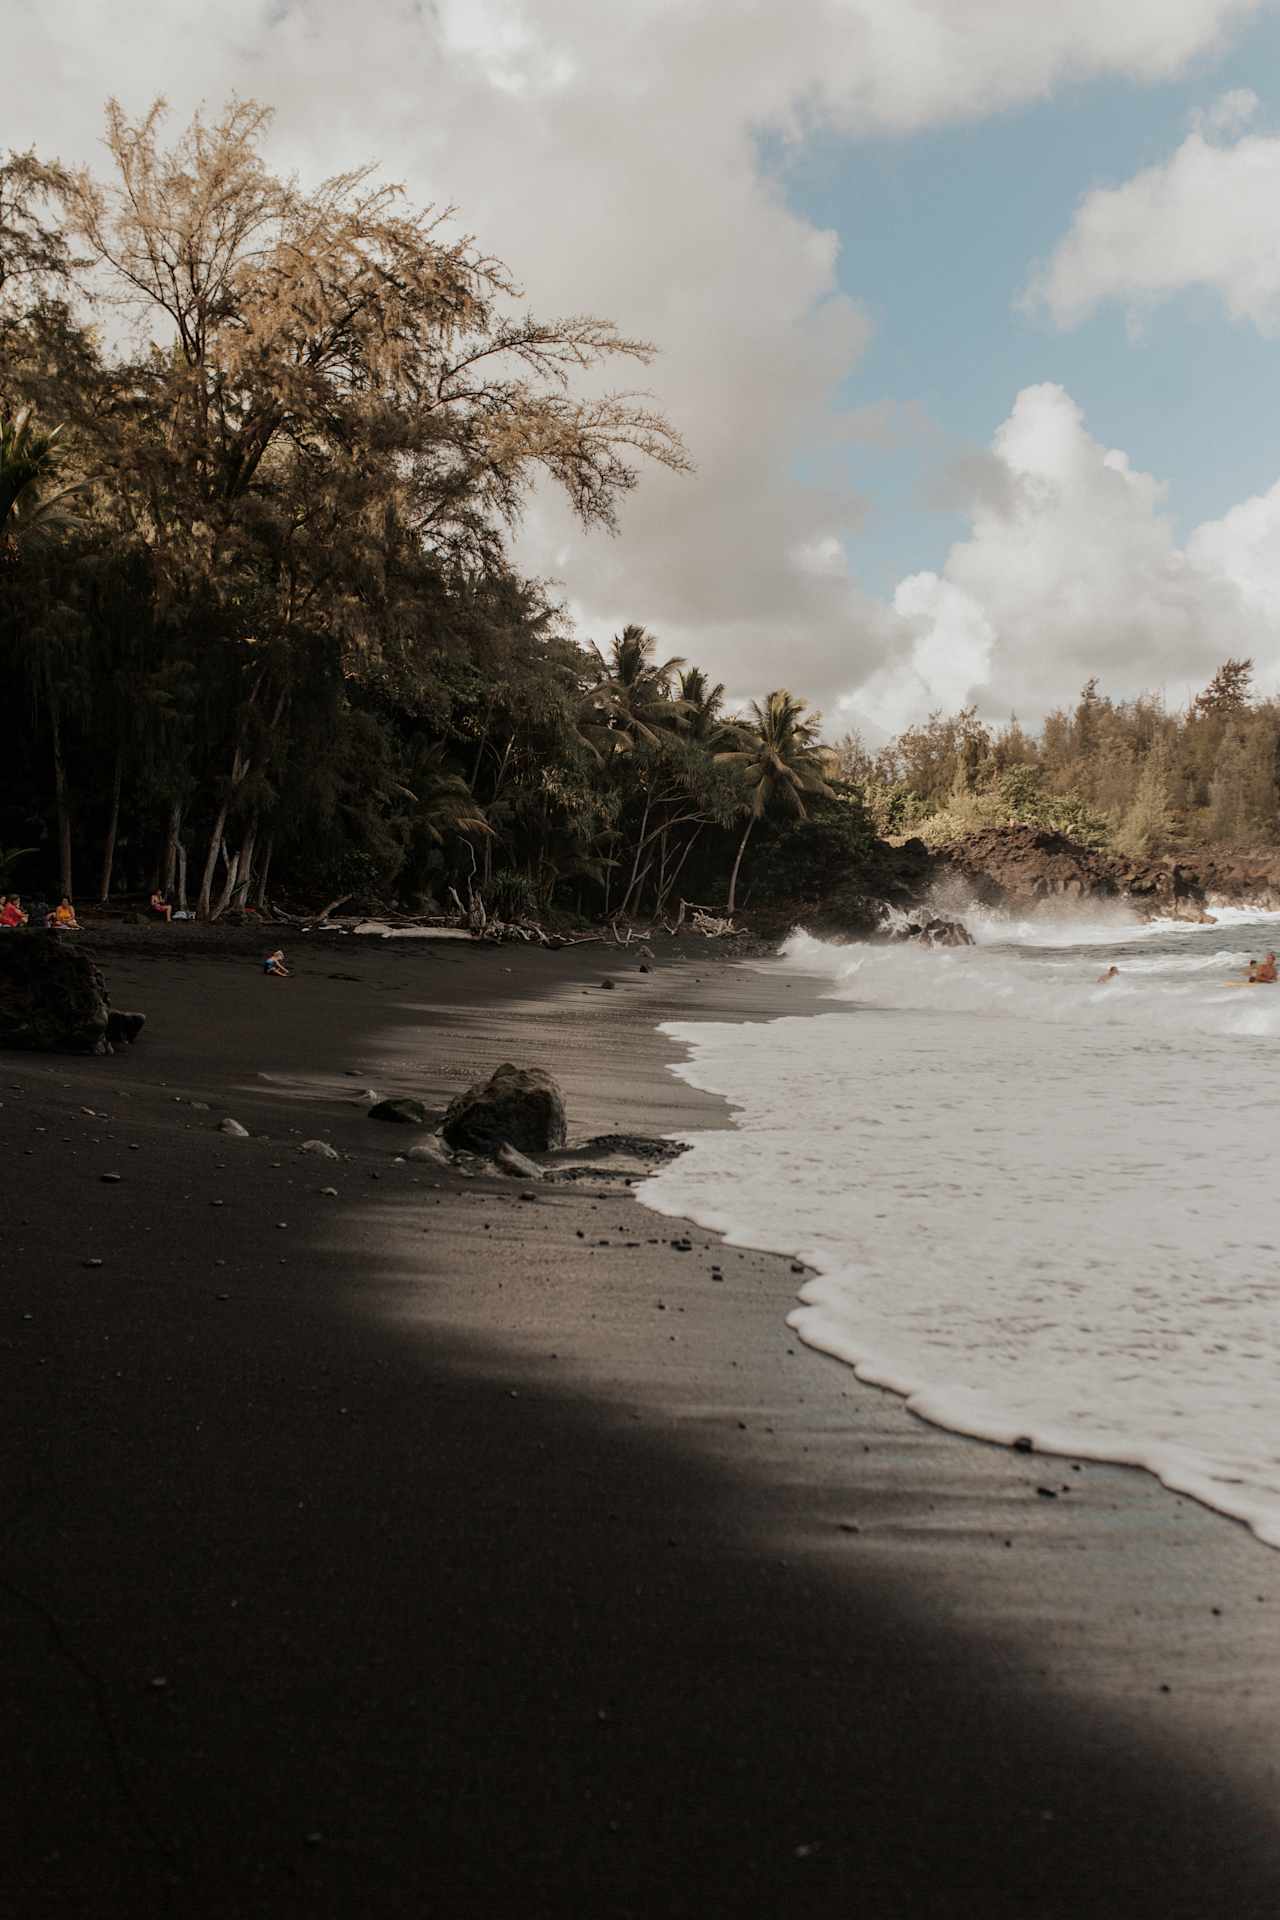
pixel 1039 1208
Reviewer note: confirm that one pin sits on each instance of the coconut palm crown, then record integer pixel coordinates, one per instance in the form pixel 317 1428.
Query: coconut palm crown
pixel 634 698
pixel 28 462
pixel 779 762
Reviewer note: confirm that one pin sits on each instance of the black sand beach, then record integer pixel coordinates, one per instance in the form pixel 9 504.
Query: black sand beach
pixel 429 1547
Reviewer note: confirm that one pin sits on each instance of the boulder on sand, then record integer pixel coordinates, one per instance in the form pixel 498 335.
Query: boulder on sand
pixel 519 1105
pixel 124 1028
pixel 52 997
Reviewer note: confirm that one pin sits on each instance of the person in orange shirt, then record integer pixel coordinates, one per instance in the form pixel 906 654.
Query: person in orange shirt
pixel 64 915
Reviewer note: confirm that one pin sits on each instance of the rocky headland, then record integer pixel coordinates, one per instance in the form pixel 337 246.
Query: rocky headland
pixel 1027 866
pixel 912 891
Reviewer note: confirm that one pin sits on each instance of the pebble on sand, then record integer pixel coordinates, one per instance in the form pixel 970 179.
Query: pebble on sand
pixel 234 1128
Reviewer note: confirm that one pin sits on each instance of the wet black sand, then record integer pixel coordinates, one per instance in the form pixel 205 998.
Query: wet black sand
pixel 424 1554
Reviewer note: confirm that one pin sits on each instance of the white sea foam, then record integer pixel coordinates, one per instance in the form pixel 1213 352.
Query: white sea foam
pixel 1037 1207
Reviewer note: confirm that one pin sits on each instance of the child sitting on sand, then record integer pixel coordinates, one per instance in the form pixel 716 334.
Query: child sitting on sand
pixel 274 964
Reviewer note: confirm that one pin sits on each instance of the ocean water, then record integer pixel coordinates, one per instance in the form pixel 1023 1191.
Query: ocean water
pixel 1038 1207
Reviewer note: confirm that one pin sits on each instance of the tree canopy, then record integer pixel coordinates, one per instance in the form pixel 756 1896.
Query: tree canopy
pixel 262 446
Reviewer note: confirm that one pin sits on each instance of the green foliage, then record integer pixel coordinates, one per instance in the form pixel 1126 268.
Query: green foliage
pixel 810 859
pixel 514 896
pixel 1122 773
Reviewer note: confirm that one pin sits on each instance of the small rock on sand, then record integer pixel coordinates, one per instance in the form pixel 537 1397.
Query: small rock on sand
pixel 515 1163
pixel 433 1150
pixel 234 1128
pixel 321 1149
pixel 406 1110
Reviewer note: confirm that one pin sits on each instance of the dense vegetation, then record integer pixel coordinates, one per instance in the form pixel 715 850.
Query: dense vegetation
pixel 1126 774
pixel 260 452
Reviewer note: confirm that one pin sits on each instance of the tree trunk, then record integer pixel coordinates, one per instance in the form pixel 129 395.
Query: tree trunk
pixel 61 799
pixel 205 902
pixel 182 878
pixel 232 863
pixel 244 873
pixel 263 872
pixel 168 873
pixel 240 768
pixel 635 864
pixel 742 847
pixel 113 824
pixel 667 886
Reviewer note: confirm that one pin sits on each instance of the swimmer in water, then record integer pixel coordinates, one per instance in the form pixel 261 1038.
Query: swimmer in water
pixel 1112 973
pixel 1262 973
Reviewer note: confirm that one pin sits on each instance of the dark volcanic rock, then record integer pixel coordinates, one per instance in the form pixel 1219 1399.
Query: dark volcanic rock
pixel 935 932
pixel 1020 866
pixel 1007 865
pixel 408 1111
pixel 124 1028
pixel 52 997
pixel 522 1106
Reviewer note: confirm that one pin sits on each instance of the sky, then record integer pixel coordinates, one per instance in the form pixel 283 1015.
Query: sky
pixel 968 310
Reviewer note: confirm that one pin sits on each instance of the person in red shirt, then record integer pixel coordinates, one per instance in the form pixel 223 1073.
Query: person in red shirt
pixel 11 914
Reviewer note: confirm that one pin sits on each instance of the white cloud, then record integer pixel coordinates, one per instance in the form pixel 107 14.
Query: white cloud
pixel 1205 217
pixel 609 154
pixel 1071 569
pixel 1229 112
pixel 1244 547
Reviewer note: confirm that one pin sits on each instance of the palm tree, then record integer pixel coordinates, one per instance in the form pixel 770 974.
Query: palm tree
pixel 780 762
pixel 634 698
pixel 443 800
pixel 705 721
pixel 28 462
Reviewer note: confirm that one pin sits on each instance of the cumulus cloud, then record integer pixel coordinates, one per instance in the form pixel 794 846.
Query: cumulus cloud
pixel 611 156
pixel 1244 547
pixel 1229 112
pixel 1071 568
pixel 1205 217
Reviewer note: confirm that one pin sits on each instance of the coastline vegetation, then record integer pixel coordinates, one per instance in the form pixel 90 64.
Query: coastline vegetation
pixel 1128 775
pixel 261 450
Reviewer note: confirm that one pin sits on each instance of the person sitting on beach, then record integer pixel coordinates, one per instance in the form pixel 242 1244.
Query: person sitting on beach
pixel 1263 972
pixel 11 914
pixel 274 964
pixel 64 916
pixel 160 906
pixel 1112 973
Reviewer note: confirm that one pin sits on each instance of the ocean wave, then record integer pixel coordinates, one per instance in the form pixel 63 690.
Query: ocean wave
pixel 1037 1208
pixel 1190 981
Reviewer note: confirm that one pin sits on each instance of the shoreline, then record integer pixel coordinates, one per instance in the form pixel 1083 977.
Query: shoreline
pixel 479 1557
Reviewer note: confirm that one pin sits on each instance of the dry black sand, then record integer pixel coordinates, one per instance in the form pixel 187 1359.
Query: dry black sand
pixel 423 1554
